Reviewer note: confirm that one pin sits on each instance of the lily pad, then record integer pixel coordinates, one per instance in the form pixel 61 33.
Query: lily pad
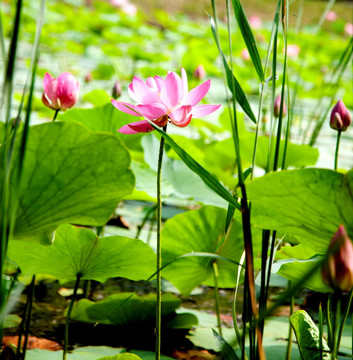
pixel 69 175
pixel 124 309
pixel 79 251
pixel 198 232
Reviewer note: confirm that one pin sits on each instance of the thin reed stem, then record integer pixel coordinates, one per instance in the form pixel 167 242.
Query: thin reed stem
pixel 28 316
pixel 68 315
pixel 216 297
pixel 343 322
pixel 159 250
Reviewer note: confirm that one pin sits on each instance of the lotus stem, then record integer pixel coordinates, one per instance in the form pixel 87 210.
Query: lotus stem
pixel 337 147
pixel 68 315
pixel 55 115
pixel 159 250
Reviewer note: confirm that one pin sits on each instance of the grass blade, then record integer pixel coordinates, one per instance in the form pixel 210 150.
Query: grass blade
pixel 232 82
pixel 248 38
pixel 193 165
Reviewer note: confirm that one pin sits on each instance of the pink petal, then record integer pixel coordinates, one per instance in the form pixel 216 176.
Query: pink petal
pixel 159 82
pixel 142 126
pixel 195 95
pixel 47 80
pixel 172 91
pixel 152 111
pixel 180 117
pixel 125 107
pixel 142 92
pixel 151 83
pixel 132 94
pixel 184 80
pixel 203 110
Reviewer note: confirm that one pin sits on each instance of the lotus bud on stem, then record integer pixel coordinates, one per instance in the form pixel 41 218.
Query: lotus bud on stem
pixel 340 120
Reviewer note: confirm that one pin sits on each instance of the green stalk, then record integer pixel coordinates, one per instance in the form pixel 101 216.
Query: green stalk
pixel 321 331
pixel 336 316
pixel 337 147
pixel 280 118
pixel 262 93
pixel 28 316
pixel 290 331
pixel 216 297
pixel 4 205
pixel 329 323
pixel 68 315
pixel 24 321
pixel 159 250
pixel 340 332
pixel 55 114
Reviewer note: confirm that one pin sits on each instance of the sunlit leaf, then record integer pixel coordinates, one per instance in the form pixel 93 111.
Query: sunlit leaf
pixel 70 175
pixel 79 251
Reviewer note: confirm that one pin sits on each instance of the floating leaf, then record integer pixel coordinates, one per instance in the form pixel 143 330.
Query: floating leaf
pixel 70 175
pixel 202 231
pixel 79 251
pixel 124 309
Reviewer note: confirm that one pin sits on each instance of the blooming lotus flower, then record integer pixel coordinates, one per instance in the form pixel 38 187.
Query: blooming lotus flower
pixel 61 93
pixel 164 100
pixel 337 272
pixel 340 117
pixel 277 107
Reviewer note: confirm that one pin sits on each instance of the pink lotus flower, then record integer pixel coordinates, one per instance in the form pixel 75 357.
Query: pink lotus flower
pixel 164 100
pixel 255 21
pixel 331 16
pixel 340 117
pixel 60 93
pixel 348 29
pixel 337 272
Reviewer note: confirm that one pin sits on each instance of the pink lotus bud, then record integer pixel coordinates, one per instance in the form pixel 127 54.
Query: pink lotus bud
pixel 331 16
pixel 200 72
pixel 88 77
pixel 340 117
pixel 255 21
pixel 116 92
pixel 348 29
pixel 245 54
pixel 337 271
pixel 277 107
pixel 60 93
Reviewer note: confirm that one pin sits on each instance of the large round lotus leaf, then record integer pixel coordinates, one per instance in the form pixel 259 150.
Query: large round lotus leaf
pixel 79 251
pixel 124 309
pixel 70 174
pixel 201 231
pixel 308 204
